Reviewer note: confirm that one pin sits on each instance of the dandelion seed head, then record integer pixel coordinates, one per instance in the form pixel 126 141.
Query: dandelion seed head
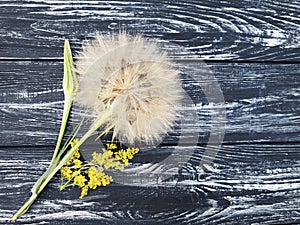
pixel 130 76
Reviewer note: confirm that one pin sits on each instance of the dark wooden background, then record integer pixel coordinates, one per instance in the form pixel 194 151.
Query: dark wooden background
pixel 251 47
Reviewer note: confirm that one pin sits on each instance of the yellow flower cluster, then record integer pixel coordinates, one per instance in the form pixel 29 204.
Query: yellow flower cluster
pixel 98 178
pixel 125 155
pixel 92 175
pixel 106 160
pixel 66 171
pixel 76 154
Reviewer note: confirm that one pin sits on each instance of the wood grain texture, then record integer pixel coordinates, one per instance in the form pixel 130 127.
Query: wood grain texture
pixel 261 102
pixel 231 30
pixel 246 184
pixel 251 49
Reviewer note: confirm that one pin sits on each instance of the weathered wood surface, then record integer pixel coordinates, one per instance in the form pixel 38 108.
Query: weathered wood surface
pixel 255 176
pixel 239 30
pixel 246 184
pixel 262 102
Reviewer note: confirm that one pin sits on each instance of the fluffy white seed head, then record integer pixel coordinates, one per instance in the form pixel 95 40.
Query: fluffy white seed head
pixel 132 78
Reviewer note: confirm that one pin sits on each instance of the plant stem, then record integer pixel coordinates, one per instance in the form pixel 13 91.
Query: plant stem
pixel 56 165
pixel 25 207
pixel 47 176
pixel 69 87
pixel 66 112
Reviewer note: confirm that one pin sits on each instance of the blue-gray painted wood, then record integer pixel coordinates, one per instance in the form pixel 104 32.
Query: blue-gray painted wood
pixel 239 30
pixel 254 176
pixel 261 101
pixel 247 184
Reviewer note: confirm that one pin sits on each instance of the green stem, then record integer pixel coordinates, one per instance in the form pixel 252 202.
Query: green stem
pixel 25 207
pixel 56 165
pixel 67 108
pixel 69 87
pixel 35 192
pixel 47 176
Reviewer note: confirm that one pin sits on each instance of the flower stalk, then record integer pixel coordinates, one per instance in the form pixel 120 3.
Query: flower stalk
pixel 57 164
pixel 69 88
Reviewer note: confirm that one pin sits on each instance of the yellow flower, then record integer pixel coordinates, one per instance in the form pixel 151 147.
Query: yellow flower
pixel 74 142
pixel 94 176
pixel 77 163
pixel 66 172
pixel 92 171
pixel 111 146
pixel 107 160
pixel 90 175
pixel 125 155
pixel 79 180
pixel 76 173
pixel 106 180
pixel 97 178
pixel 94 183
pixel 84 191
pixel 76 154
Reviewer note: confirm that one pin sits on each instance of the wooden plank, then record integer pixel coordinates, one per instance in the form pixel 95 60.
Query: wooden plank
pixel 261 103
pixel 254 176
pixel 230 30
pixel 251 184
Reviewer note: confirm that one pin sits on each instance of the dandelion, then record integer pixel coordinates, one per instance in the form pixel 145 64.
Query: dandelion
pixel 131 89
pixel 128 79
